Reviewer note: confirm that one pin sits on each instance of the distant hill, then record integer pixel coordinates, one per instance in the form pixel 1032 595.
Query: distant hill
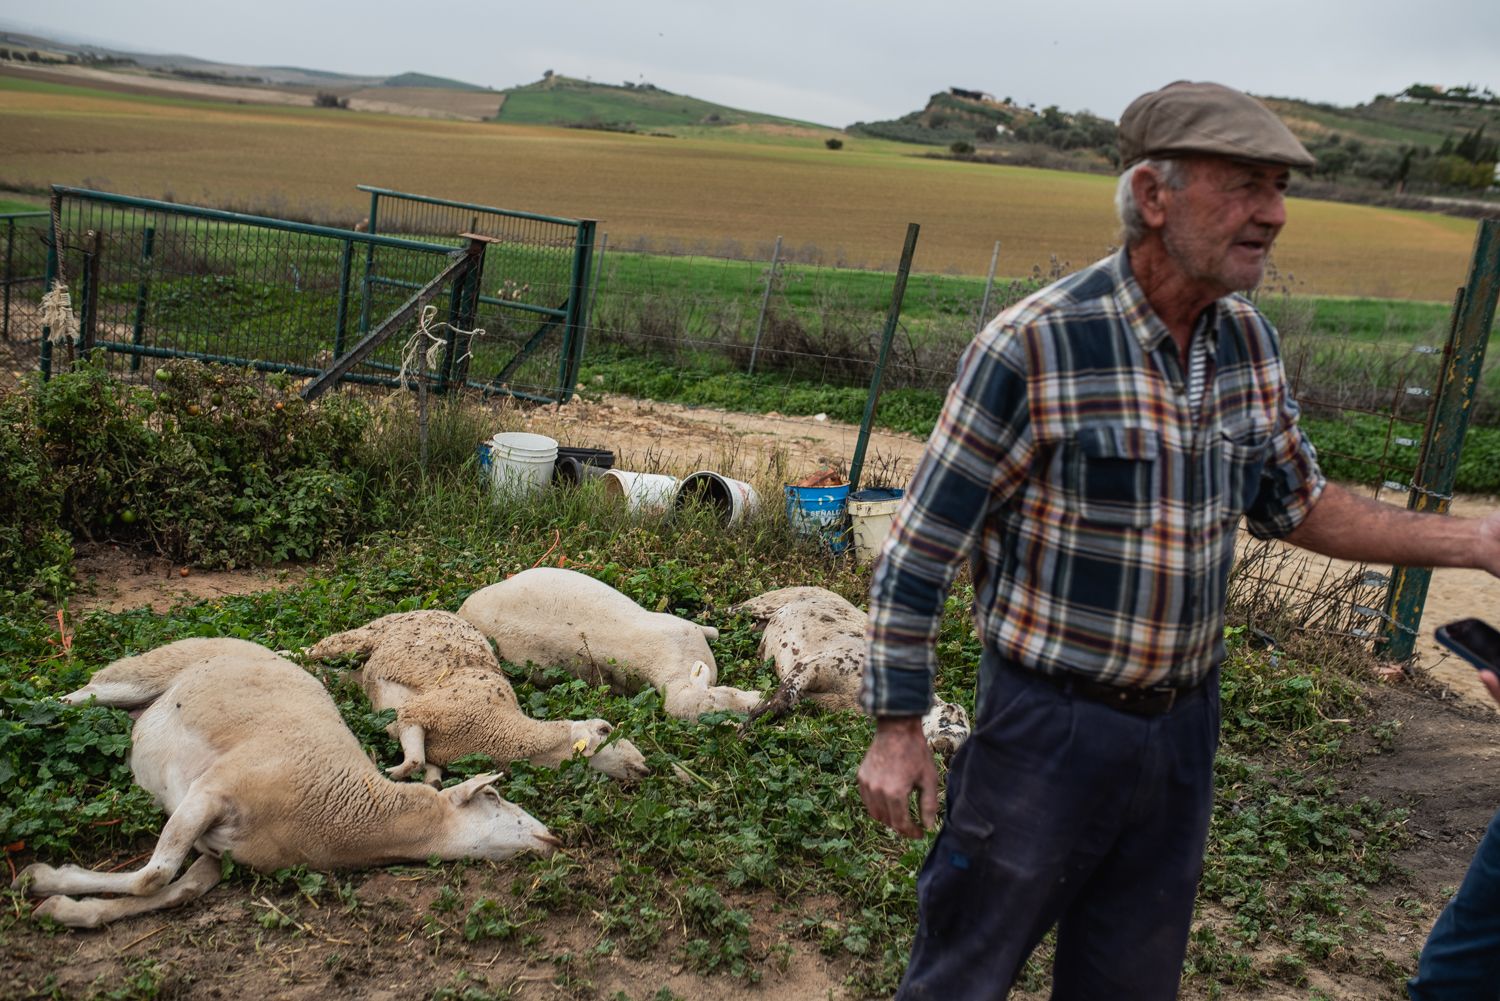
pixel 424 80
pixel 1426 140
pixel 978 125
pixel 631 107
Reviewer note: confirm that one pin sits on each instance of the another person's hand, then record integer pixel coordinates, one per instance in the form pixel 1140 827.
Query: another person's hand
pixel 1492 682
pixel 897 762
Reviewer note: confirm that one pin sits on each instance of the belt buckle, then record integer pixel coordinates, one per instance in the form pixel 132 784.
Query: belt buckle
pixel 1171 697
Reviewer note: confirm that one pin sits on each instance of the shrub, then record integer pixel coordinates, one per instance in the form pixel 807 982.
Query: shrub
pixel 219 469
pixel 35 551
pixel 832 143
pixel 961 148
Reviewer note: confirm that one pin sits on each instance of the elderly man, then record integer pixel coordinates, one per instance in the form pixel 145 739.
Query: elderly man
pixel 1098 447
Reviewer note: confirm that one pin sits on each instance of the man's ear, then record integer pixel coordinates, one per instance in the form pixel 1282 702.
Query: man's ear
pixel 1151 194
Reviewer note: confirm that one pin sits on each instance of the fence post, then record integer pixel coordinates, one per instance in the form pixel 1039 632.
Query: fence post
pixel 55 230
pixel 10 245
pixel 341 316
pixel 577 310
pixel 892 318
pixel 765 302
pixel 597 277
pixel 989 284
pixel 364 305
pixel 1437 469
pixel 88 322
pixel 138 331
pixel 463 314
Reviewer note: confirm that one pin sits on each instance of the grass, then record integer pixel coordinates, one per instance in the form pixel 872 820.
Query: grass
pixel 699 190
pixel 771 813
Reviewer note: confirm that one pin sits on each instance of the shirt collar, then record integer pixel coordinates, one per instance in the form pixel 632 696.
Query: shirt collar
pixel 1147 328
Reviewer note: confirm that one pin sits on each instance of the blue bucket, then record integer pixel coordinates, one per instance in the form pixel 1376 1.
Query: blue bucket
pixel 818 512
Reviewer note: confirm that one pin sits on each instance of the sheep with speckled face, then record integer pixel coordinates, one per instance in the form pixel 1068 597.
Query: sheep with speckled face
pixel 247 754
pixel 550 617
pixel 452 698
pixel 816 639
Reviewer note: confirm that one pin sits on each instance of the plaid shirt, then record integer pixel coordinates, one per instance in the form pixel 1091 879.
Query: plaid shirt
pixel 1098 507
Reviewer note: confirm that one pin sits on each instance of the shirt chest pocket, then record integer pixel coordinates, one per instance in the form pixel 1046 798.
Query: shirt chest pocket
pixel 1111 472
pixel 1243 451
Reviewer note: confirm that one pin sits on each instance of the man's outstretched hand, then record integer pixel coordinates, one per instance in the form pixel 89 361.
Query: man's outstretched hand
pixel 898 762
pixel 1490 679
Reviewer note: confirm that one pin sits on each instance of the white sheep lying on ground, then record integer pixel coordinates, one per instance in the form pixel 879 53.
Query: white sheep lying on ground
pixel 247 754
pixel 561 618
pixel 817 640
pixel 452 698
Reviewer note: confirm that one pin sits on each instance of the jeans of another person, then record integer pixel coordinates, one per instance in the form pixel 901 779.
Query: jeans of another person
pixel 1461 960
pixel 1062 811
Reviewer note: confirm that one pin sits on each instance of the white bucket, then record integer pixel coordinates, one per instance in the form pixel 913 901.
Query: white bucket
pixel 733 499
pixel 521 462
pixel 641 492
pixel 870 513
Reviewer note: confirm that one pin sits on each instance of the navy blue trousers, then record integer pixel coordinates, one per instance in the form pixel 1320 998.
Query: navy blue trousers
pixel 1461 960
pixel 1062 811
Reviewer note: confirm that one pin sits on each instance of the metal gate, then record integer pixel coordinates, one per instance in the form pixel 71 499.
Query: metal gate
pixel 534 303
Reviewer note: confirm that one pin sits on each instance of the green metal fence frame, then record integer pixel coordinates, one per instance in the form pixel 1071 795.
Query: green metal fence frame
pixel 466 285
pixel 1448 423
pixel 7 264
pixel 571 315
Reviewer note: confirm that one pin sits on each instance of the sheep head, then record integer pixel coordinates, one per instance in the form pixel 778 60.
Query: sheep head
pixel 619 760
pixel 490 827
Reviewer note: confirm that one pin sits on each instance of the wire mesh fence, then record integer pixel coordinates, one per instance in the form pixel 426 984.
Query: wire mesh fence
pixel 800 339
pixel 532 298
pixel 151 280
pixel 23 275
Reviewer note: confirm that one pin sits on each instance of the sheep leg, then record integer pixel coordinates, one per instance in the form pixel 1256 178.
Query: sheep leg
pixel 197 814
pixel 432 775
pixel 787 694
pixel 203 875
pixel 414 748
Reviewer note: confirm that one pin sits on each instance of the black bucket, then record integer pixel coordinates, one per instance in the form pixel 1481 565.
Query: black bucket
pixel 577 464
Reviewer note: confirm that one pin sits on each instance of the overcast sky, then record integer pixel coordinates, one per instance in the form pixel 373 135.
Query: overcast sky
pixel 837 61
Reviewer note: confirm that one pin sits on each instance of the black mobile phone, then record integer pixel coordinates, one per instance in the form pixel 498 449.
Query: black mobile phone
pixel 1475 640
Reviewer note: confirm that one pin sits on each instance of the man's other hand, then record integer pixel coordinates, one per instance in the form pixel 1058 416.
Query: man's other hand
pixel 898 762
pixel 1490 679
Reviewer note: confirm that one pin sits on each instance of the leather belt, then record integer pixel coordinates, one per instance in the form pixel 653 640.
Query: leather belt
pixel 1152 701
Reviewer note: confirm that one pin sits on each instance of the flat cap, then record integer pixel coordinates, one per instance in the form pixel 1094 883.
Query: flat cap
pixel 1184 118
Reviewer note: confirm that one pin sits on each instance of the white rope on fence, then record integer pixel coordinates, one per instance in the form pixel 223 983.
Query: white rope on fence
pixel 412 357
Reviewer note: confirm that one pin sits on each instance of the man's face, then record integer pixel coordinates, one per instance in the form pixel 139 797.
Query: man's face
pixel 1220 227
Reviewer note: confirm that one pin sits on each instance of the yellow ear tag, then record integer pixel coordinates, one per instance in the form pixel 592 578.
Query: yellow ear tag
pixel 580 745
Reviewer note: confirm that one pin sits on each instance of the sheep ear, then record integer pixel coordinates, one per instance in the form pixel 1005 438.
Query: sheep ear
pixel 699 675
pixel 588 735
pixel 467 789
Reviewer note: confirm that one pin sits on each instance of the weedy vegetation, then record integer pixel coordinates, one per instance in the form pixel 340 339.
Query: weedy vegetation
pixel 745 845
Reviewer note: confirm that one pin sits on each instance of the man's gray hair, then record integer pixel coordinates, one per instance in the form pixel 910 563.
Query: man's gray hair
pixel 1173 173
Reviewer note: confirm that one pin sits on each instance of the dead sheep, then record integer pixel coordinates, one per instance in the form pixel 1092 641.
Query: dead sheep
pixel 816 639
pixel 247 754
pixel 452 698
pixel 549 617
